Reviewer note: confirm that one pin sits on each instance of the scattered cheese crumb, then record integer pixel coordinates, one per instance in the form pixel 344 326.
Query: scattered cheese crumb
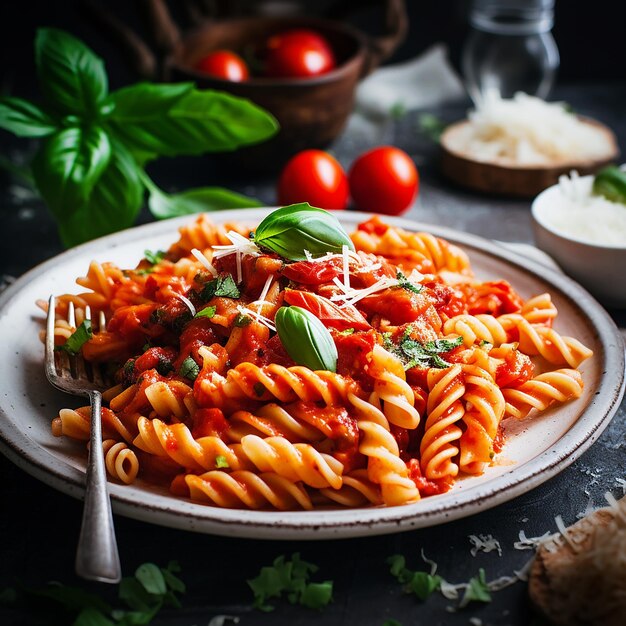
pixel 190 306
pixel 257 316
pixel 202 258
pixel 484 543
pixel 241 246
pixel 528 543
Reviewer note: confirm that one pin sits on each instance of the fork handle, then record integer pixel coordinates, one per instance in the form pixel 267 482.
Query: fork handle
pixel 97 557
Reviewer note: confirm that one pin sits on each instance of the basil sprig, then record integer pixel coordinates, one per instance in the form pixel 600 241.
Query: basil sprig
pixel 90 166
pixel 610 182
pixel 298 227
pixel 306 340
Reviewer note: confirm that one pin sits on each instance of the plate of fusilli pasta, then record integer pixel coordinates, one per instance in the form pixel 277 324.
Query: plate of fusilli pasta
pixel 300 374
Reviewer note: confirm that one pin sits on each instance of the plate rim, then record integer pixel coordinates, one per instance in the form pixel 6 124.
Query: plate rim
pixel 16 445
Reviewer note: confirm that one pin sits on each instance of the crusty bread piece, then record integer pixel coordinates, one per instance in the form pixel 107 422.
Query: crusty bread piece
pixel 581 578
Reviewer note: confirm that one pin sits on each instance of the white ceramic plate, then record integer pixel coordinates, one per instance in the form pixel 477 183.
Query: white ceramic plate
pixel 535 449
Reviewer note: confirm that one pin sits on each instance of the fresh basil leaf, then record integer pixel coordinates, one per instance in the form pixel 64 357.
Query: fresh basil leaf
pixel 164 205
pixel 80 336
pixel 68 166
pixel 25 119
pixel 145 101
pixel 113 205
pixel 189 369
pixel 72 77
pixel 208 311
pixel 306 340
pixel 291 230
pixel 197 122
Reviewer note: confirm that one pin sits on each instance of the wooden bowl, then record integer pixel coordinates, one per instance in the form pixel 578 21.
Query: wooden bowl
pixel 505 179
pixel 311 111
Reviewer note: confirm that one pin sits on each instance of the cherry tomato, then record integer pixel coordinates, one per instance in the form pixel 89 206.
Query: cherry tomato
pixel 315 177
pixel 298 53
pixel 224 64
pixel 384 180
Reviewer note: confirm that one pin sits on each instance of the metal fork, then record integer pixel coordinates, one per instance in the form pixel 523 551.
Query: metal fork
pixel 97 557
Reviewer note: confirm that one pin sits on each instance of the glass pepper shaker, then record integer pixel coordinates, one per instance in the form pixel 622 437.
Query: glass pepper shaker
pixel 510 48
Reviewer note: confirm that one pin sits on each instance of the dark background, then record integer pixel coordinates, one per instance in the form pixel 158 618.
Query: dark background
pixel 38 525
pixel 591 36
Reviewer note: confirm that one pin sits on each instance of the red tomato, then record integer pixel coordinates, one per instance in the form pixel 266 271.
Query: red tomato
pixel 384 180
pixel 298 53
pixel 315 177
pixel 326 311
pixel 224 64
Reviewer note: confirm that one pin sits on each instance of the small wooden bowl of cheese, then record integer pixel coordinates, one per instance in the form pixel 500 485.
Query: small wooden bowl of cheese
pixel 519 147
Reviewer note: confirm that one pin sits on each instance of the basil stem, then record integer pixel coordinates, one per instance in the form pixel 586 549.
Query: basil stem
pixel 298 227
pixel 306 340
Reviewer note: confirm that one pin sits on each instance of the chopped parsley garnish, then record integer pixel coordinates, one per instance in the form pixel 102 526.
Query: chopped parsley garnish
pixel 259 389
pixel 221 461
pixel 208 311
pixel 347 331
pixel 420 583
pixel 189 369
pixel 292 578
pixel 154 257
pixel 405 283
pixel 164 366
pixel 477 590
pixel 157 316
pixel 223 286
pixel 412 353
pixel 143 596
pixel 430 126
pixel 181 321
pixel 77 339
pixel 242 320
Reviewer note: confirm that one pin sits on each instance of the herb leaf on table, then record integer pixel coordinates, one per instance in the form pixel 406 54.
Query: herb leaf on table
pixel 90 166
pixel 143 596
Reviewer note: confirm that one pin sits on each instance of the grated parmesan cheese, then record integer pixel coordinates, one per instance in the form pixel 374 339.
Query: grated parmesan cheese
pixel 257 316
pixel 240 246
pixel 528 131
pixel 484 543
pixel 572 210
pixel 350 296
pixel 188 303
pixel 529 543
pixel 205 262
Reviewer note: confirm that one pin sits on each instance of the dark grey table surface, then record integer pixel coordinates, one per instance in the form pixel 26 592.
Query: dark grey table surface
pixel 39 526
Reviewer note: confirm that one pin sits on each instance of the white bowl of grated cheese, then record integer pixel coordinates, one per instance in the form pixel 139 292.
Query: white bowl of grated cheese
pixel 585 234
